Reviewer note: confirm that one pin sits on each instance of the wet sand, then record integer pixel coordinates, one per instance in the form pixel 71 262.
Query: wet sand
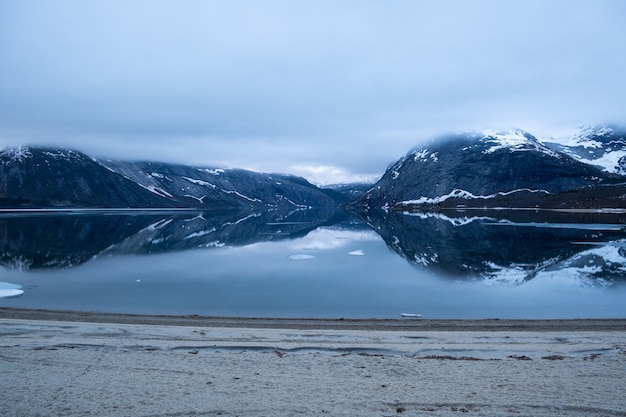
pixel 91 364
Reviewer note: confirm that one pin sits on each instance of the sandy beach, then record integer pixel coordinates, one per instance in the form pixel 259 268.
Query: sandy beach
pixel 88 364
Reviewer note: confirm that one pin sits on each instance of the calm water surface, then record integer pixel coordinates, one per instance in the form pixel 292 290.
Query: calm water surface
pixel 315 264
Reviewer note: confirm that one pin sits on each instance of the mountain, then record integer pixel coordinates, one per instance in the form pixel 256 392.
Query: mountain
pixel 209 187
pixel 602 146
pixel 49 177
pixel 33 177
pixel 492 168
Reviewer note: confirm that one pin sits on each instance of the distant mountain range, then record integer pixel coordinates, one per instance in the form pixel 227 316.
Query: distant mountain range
pixel 506 169
pixel 489 169
pixel 32 177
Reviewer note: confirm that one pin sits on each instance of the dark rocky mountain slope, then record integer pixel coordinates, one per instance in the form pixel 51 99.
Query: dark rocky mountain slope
pixel 47 177
pixel 52 178
pixel 493 168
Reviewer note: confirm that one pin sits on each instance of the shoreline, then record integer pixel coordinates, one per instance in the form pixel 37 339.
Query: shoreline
pixel 77 364
pixel 371 324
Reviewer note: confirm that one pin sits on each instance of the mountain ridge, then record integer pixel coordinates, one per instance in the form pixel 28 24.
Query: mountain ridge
pixel 49 177
pixel 493 168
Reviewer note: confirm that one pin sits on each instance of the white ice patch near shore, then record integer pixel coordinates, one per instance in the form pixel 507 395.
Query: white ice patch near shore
pixel 9 290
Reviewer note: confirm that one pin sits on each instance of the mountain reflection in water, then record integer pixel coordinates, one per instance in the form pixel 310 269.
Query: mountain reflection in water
pixel 494 246
pixel 509 246
pixel 309 263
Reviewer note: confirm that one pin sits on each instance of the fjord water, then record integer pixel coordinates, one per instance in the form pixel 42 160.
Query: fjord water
pixel 493 264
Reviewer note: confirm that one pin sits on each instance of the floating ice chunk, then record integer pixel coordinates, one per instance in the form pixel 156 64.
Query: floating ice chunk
pixel 357 253
pixel 411 315
pixel 300 257
pixel 9 290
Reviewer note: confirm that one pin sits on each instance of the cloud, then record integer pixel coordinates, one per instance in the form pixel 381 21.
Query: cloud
pixel 279 84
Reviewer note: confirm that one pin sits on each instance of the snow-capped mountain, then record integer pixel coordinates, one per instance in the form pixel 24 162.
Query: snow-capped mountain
pixel 492 168
pixel 602 146
pixel 49 177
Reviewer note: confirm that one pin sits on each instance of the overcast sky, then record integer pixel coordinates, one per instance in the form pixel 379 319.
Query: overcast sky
pixel 325 89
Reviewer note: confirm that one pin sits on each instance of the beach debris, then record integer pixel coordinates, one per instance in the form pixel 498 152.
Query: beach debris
pixel 451 358
pixel 592 356
pixel 554 357
pixel 380 355
pixel 520 357
pixel 411 315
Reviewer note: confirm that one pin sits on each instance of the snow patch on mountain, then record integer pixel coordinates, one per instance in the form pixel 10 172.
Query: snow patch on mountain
pixel 211 171
pixel 583 136
pixel 156 190
pixel 245 197
pixel 613 162
pixel 199 199
pixel 62 154
pixel 457 193
pixel 16 154
pixel 600 146
pixel 514 140
pixel 199 182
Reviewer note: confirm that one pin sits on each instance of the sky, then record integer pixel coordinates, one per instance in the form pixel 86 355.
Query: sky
pixel 334 91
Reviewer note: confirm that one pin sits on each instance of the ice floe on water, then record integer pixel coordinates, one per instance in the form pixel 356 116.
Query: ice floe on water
pixel 9 290
pixel 300 257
